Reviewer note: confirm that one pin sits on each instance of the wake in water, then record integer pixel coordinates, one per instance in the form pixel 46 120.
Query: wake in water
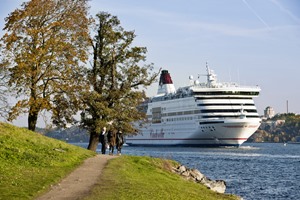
pixel 242 147
pixel 249 147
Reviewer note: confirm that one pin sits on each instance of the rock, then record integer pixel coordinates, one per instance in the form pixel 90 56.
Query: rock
pixel 220 186
pixel 217 186
pixel 195 175
pixel 181 169
pixel 186 174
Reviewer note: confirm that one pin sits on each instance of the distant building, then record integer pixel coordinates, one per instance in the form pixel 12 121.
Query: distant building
pixel 269 112
pixel 271 124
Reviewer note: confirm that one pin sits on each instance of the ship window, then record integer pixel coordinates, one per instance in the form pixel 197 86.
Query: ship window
pixel 229 116
pixel 231 98
pixel 228 93
pixel 188 112
pixel 228 110
pixel 156 115
pixel 224 104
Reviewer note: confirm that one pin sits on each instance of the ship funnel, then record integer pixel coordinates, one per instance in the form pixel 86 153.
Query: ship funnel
pixel 166 85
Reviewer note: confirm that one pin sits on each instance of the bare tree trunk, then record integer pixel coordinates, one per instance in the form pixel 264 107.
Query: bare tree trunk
pixel 32 118
pixel 94 140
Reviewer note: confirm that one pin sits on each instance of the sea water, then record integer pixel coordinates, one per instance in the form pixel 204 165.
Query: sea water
pixel 252 171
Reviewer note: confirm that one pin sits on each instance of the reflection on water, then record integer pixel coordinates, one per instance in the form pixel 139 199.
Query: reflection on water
pixel 253 171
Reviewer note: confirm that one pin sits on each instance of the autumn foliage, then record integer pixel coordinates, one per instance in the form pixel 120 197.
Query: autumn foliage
pixel 44 49
pixel 44 55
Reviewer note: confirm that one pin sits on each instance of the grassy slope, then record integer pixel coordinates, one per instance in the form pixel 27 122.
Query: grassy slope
pixel 135 177
pixel 30 162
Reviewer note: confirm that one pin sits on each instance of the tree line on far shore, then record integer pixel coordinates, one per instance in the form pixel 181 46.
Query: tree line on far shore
pixel 283 132
pixel 56 59
pixel 289 131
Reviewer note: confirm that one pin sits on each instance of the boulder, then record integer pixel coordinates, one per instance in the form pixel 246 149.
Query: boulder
pixel 181 169
pixel 195 175
pixel 217 185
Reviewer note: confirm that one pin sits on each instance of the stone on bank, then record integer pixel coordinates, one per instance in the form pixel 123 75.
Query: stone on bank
pixel 196 176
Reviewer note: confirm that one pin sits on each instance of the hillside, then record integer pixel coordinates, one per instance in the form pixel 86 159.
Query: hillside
pixel 72 134
pixel 31 162
pixel 148 178
pixel 283 132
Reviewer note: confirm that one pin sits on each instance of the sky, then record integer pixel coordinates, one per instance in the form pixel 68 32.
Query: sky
pixel 251 42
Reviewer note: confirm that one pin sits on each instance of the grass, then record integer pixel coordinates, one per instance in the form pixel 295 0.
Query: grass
pixel 30 163
pixel 136 177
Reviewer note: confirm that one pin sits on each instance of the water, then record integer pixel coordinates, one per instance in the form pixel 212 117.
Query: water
pixel 253 171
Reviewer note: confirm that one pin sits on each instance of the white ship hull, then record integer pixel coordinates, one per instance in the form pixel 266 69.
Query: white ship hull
pixel 229 133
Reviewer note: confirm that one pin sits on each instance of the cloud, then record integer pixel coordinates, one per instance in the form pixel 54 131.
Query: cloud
pixel 224 29
pixel 256 14
pixel 286 11
pixel 169 20
pixel 157 19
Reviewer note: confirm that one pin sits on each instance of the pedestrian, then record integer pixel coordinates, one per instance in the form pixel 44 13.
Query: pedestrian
pixel 119 141
pixel 103 140
pixel 111 136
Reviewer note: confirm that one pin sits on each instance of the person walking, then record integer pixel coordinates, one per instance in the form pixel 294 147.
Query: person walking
pixel 119 141
pixel 103 140
pixel 111 138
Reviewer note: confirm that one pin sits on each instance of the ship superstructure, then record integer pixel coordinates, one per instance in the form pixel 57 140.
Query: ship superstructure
pixel 200 114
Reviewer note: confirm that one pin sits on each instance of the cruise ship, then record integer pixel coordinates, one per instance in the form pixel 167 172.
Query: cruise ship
pixel 208 114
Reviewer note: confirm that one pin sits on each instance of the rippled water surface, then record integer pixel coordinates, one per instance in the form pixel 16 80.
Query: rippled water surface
pixel 253 171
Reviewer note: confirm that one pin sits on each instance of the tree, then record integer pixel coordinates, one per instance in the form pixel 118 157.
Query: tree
pixel 115 79
pixel 44 48
pixel 4 105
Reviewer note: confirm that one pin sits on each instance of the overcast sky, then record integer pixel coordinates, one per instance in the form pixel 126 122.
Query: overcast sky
pixel 251 42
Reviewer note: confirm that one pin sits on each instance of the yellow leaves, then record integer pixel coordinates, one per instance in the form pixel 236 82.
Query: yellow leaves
pixel 18 109
pixel 45 41
pixel 9 40
pixel 39 104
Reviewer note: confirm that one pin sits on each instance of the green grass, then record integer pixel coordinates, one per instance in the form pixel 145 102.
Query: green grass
pixel 135 177
pixel 30 163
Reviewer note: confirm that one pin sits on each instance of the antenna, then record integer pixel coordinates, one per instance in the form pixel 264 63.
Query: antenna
pixel 207 68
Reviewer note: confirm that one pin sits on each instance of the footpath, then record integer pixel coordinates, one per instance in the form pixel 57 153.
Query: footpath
pixel 79 183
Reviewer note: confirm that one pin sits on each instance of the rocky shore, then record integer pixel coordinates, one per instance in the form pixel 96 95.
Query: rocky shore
pixel 196 176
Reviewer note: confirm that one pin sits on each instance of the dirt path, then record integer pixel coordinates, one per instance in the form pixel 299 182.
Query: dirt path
pixel 79 183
